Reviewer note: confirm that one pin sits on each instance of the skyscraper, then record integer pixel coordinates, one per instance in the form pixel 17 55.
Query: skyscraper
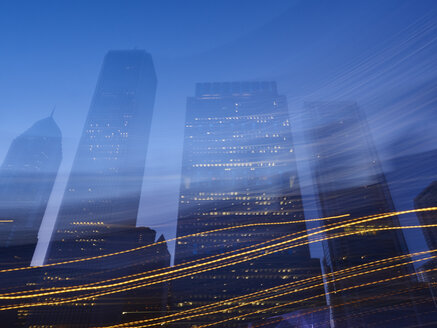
pixel 239 168
pixel 349 180
pixel 104 187
pixel 98 213
pixel 27 176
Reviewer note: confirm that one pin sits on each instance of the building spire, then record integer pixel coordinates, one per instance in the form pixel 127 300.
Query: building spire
pixel 53 111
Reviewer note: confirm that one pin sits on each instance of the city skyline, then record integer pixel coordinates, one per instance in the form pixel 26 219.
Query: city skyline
pixel 225 164
pixel 238 134
pixel 71 87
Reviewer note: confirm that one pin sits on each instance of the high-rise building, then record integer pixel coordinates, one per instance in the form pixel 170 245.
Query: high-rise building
pixel 27 176
pixel 349 180
pixel 239 168
pixel 104 187
pixel 98 213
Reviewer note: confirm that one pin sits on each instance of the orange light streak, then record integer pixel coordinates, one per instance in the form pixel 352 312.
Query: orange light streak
pixel 93 296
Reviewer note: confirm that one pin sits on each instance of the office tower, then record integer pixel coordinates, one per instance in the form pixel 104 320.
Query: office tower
pixel 349 180
pixel 99 209
pixel 27 176
pixel 104 187
pixel 239 168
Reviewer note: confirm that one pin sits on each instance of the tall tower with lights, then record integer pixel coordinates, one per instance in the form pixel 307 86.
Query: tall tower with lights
pixel 104 187
pixel 239 168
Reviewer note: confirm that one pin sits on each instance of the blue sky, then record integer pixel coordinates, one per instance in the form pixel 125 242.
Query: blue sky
pixel 372 52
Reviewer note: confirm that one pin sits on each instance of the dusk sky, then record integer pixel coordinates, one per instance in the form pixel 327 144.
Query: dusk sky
pixel 371 52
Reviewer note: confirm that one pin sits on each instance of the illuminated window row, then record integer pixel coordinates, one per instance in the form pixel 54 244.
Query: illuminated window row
pixel 87 223
pixel 240 117
pixel 243 213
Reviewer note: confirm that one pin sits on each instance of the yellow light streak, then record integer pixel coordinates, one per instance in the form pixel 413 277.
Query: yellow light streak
pixel 287 285
pixel 70 288
pixel 197 260
pixel 354 302
pixel 317 296
pixel 93 296
pixel 265 248
pixel 173 239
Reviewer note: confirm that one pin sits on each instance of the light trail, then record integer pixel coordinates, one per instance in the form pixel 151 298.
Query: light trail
pixel 285 286
pixel 277 288
pixel 320 295
pixel 388 308
pixel 69 289
pixel 166 268
pixel 60 290
pixel 93 296
pixel 173 239
pixel 288 316
pixel 265 248
pixel 204 258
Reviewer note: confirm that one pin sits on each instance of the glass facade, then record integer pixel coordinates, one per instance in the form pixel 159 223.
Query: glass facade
pixel 349 180
pixel 103 191
pixel 239 169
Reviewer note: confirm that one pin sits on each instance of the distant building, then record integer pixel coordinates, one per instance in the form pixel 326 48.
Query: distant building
pixel 428 198
pixel 239 168
pixel 98 213
pixel 349 180
pixel 104 187
pixel 407 176
pixel 27 176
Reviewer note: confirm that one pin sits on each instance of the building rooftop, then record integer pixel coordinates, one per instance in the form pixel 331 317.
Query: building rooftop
pixel 235 88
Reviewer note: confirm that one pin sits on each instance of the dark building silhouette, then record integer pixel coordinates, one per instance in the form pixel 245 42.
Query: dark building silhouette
pixel 408 173
pixel 114 308
pixel 428 198
pixel 349 180
pixel 27 176
pixel 428 270
pixel 103 190
pixel 301 319
pixel 239 168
